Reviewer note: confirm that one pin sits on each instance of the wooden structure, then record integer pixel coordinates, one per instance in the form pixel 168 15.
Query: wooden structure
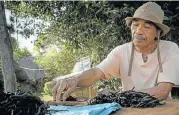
pixel 33 71
pixel 81 65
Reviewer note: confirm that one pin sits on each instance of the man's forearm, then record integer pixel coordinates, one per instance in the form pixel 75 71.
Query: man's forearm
pixel 160 91
pixel 89 77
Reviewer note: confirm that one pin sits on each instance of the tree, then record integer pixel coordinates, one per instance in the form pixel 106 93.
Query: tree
pixel 19 53
pixel 60 60
pixel 92 25
pixel 7 55
pixel 9 67
pixel 96 26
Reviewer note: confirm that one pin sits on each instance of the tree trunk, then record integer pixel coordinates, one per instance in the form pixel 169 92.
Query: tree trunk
pixel 9 75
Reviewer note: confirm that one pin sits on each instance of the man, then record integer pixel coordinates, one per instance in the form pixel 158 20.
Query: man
pixel 146 64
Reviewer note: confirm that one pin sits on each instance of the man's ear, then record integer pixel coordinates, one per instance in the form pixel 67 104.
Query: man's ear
pixel 158 34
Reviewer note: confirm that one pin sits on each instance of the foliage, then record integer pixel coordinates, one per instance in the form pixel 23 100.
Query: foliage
pixel 89 27
pixel 60 61
pixel 93 25
pixel 24 23
pixel 113 84
pixel 97 25
pixel 47 88
pixel 19 53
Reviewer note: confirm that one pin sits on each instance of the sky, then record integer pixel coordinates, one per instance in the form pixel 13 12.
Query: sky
pixel 23 42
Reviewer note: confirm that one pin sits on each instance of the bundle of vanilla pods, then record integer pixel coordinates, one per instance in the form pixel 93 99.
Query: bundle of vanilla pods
pixel 21 103
pixel 127 99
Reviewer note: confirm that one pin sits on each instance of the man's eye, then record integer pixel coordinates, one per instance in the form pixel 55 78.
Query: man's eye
pixel 147 26
pixel 135 24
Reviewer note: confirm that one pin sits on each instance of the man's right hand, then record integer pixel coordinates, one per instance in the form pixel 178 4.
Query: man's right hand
pixel 63 88
pixel 65 85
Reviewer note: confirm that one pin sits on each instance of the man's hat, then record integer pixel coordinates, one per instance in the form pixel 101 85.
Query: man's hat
pixel 152 12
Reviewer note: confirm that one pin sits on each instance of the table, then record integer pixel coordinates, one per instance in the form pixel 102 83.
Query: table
pixel 170 108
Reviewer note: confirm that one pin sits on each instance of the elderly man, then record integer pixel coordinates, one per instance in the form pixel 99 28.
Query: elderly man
pixel 146 64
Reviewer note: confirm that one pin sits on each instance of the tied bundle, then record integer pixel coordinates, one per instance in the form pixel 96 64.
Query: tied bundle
pixel 127 99
pixel 21 103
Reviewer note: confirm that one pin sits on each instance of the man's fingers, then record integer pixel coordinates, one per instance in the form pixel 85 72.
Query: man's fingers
pixel 60 89
pixel 63 87
pixel 68 92
pixel 54 90
pixel 71 88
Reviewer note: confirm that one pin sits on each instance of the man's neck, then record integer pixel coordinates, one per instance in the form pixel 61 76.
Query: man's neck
pixel 148 49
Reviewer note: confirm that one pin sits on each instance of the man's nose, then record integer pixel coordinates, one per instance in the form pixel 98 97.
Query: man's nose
pixel 139 30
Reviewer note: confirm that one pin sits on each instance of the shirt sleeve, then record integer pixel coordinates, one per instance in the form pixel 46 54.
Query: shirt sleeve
pixel 170 69
pixel 110 65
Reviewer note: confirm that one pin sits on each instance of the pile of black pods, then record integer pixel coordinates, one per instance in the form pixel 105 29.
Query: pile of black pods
pixel 21 103
pixel 127 99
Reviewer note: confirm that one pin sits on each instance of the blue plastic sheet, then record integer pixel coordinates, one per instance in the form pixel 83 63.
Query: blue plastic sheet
pixel 98 109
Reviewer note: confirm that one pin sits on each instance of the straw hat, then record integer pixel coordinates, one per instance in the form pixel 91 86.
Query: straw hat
pixel 152 12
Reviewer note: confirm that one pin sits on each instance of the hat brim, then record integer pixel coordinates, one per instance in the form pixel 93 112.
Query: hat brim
pixel 165 29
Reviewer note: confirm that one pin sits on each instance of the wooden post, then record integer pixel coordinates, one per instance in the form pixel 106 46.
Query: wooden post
pixel 90 92
pixel 6 53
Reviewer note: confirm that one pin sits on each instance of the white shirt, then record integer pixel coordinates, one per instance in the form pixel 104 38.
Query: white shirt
pixel 143 75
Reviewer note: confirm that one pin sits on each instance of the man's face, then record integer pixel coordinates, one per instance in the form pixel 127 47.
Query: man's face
pixel 143 32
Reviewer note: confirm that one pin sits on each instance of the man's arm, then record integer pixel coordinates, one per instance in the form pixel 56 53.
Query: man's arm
pixel 89 77
pixel 160 91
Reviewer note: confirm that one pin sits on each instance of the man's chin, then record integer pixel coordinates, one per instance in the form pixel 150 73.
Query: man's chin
pixel 138 44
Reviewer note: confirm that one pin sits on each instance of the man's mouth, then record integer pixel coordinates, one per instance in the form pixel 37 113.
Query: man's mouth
pixel 139 37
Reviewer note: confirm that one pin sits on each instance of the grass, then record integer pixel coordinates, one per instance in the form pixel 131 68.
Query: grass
pixel 46 97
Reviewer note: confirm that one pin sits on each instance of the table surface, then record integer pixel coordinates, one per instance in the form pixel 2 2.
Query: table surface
pixel 170 108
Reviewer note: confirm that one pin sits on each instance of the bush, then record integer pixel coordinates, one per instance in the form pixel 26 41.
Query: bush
pixel 48 88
